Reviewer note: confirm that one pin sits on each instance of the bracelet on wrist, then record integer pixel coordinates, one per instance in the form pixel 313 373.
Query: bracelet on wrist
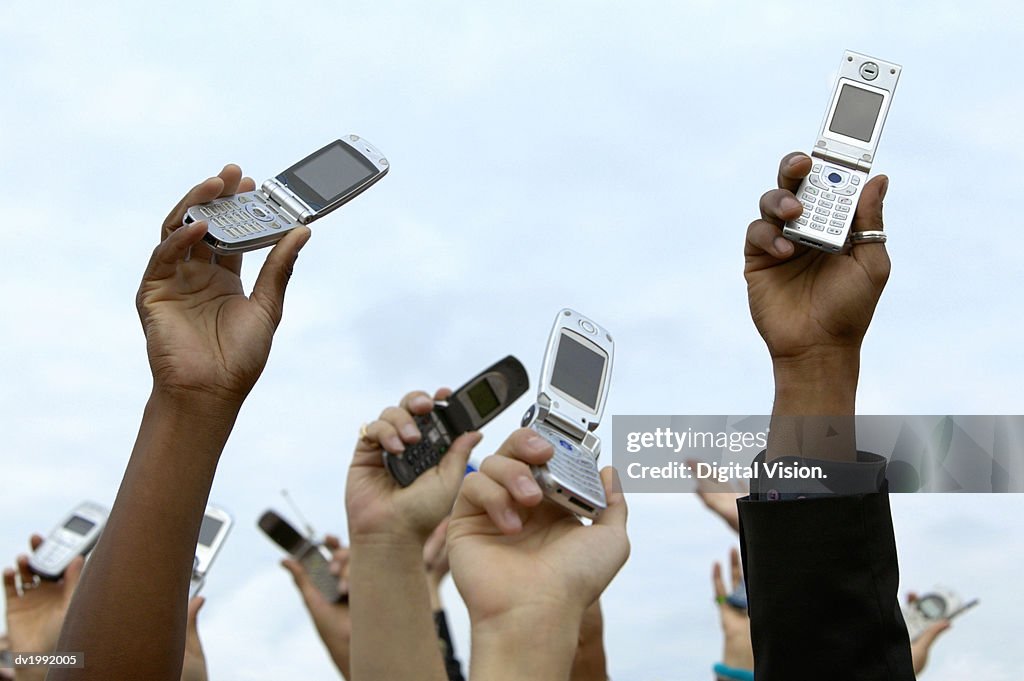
pixel 731 673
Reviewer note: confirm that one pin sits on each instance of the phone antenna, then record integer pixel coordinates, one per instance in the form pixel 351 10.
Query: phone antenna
pixel 310 532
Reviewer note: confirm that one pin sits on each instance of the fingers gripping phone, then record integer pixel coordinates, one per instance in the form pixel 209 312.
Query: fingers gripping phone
pixel 212 533
pixel 307 191
pixel 471 407
pixel 314 557
pixel 74 536
pixel 844 152
pixel 570 401
pixel 932 607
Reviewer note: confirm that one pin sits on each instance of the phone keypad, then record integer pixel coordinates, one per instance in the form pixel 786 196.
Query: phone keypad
pixel 573 465
pixel 826 207
pixel 428 451
pixel 242 216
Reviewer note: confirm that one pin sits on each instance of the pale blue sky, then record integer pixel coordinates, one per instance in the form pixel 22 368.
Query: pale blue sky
pixel 598 155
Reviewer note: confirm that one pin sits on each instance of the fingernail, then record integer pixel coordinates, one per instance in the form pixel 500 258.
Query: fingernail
pixel 421 401
pixel 527 487
pixel 536 443
pixel 796 159
pixel 783 246
pixel 512 518
pixel 410 431
pixel 789 204
pixel 395 445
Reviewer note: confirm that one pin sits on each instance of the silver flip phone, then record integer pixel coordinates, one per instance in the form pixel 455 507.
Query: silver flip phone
pixel 570 401
pixel 216 524
pixel 844 152
pixel 307 191
pixel 74 536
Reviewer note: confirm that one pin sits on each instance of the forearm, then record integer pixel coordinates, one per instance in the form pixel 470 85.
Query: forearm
pixel 590 663
pixel 525 645
pixel 393 635
pixel 129 610
pixel 815 400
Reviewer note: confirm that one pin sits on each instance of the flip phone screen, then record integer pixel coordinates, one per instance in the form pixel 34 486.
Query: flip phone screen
pixel 208 530
pixel 578 371
pixel 328 174
pixel 79 525
pixel 856 113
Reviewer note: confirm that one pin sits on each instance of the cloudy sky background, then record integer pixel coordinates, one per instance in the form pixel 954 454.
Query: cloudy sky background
pixel 604 156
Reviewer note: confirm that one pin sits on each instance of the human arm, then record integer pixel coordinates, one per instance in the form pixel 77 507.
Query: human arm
pixel 526 569
pixel 332 620
pixel 388 527
pixel 813 310
pixel 590 662
pixel 207 344
pixel 737 651
pixel 193 666
pixel 822 572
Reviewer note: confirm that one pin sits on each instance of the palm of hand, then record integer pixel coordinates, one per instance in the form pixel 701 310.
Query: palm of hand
pixel 376 504
pixel 203 332
pixel 811 300
pixel 545 563
pixel 35 618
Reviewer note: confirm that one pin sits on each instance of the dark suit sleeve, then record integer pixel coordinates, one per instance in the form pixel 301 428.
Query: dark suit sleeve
pixel 822 579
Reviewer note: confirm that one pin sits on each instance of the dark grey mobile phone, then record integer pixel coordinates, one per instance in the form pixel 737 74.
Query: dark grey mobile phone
pixel 469 408
pixel 316 558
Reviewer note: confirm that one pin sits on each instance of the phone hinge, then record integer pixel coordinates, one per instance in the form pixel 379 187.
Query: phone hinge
pixel 842 159
pixel 563 425
pixel 287 202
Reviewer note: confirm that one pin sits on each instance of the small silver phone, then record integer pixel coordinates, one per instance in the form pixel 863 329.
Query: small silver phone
pixel 307 191
pixel 571 396
pixel 844 152
pixel 940 604
pixel 212 533
pixel 74 536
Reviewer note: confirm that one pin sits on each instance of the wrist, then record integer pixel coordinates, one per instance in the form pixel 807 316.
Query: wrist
pixel 818 382
pixel 550 636
pixel 194 403
pixel 815 402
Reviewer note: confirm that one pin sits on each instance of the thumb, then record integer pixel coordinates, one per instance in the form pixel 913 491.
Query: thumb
pixel 617 512
pixel 268 292
pixel 868 219
pixel 453 464
pixel 301 578
pixel 71 576
pixel 194 606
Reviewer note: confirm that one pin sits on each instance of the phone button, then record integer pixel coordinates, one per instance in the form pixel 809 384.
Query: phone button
pixel 258 212
pixel 587 326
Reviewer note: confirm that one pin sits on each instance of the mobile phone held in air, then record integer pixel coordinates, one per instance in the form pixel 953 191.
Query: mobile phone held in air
pixel 571 396
pixel 74 536
pixel 212 533
pixel 307 191
pixel 314 557
pixel 932 607
pixel 844 152
pixel 471 407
